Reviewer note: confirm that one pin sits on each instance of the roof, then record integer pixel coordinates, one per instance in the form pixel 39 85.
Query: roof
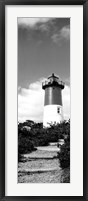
pixel 53 76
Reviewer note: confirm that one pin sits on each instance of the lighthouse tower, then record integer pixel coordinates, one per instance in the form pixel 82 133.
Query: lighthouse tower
pixel 53 100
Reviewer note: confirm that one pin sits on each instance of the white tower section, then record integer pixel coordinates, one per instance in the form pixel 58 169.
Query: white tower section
pixel 53 113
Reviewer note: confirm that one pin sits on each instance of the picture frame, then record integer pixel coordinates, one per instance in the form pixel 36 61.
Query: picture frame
pixel 3 103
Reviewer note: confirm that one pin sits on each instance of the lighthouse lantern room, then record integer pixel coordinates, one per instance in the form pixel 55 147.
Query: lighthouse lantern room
pixel 53 113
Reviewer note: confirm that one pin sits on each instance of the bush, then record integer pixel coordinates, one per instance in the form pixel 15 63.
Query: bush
pixel 64 154
pixel 29 139
pixel 25 145
pixel 20 157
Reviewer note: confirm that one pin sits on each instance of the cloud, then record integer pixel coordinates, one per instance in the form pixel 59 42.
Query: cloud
pixel 31 102
pixel 67 81
pixel 66 102
pixel 55 38
pixel 32 22
pixel 63 34
pixel 44 27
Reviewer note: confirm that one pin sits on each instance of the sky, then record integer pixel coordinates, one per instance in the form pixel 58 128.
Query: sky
pixel 43 49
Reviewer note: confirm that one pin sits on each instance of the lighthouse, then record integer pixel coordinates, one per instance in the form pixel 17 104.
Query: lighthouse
pixel 53 113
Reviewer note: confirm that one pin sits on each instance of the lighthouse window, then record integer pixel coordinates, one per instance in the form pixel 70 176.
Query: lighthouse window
pixel 58 110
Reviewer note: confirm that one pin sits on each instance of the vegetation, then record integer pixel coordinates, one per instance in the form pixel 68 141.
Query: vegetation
pixel 64 154
pixel 65 176
pixel 31 135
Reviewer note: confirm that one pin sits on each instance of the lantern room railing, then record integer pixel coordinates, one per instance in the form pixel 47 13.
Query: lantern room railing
pixel 53 82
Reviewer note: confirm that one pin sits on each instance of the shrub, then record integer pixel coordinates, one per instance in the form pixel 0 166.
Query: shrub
pixel 25 145
pixel 64 154
pixel 29 139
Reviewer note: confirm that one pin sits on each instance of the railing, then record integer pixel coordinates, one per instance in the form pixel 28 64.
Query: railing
pixel 52 81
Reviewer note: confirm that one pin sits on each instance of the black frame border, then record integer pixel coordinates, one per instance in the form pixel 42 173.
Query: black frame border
pixel 3 3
